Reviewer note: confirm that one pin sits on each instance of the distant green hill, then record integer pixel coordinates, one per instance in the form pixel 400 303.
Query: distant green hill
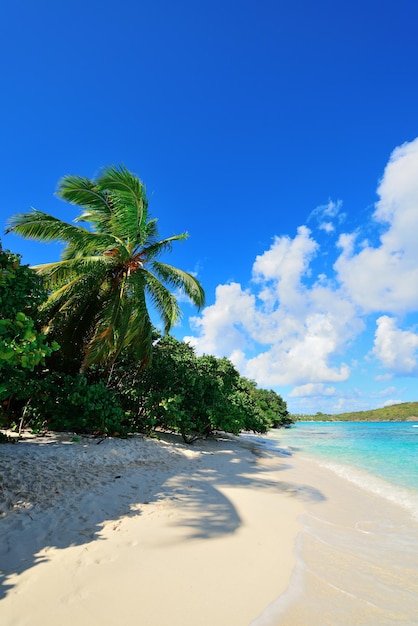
pixel 407 411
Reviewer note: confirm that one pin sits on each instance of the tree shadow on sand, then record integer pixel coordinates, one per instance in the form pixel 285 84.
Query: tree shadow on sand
pixel 191 477
pixel 209 512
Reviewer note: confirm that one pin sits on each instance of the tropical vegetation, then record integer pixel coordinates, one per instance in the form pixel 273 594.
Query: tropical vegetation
pixel 109 275
pixel 192 395
pixel 78 349
pixel 23 346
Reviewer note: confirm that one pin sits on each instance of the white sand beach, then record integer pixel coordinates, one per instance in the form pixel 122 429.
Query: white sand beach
pixel 222 533
pixel 142 531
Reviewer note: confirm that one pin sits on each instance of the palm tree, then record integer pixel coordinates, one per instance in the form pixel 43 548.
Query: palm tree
pixel 108 273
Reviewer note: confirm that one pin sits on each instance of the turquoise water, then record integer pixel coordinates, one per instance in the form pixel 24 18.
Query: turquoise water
pixel 356 554
pixel 381 457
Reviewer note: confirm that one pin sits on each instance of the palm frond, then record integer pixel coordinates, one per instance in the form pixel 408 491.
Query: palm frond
pixel 181 280
pixel 61 272
pixel 59 298
pixel 156 248
pixel 46 228
pixel 163 300
pixel 71 317
pixel 124 222
pixel 111 325
pixel 120 179
pixel 149 232
pixel 67 296
pixel 138 339
pixel 129 203
pixel 84 193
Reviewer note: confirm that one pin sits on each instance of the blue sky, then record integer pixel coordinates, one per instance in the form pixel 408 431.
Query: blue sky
pixel 281 135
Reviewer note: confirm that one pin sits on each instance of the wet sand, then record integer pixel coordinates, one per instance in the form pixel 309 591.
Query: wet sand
pixel 357 557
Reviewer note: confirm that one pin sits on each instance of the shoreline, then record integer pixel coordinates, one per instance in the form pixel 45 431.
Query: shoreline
pixel 168 533
pixel 355 556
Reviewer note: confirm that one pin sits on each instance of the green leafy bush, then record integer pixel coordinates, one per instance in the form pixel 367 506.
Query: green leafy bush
pixel 63 402
pixel 273 407
pixel 23 347
pixel 21 289
pixel 194 396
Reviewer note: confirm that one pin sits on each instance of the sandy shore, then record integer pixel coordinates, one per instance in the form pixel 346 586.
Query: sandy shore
pixel 356 553
pixel 143 531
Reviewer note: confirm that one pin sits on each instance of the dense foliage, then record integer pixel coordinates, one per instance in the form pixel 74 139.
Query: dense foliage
pixel 191 395
pixel 65 402
pixel 23 346
pixel 273 407
pixel 178 392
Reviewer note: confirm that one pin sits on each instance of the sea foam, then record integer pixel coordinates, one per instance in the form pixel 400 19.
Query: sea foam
pixel 403 497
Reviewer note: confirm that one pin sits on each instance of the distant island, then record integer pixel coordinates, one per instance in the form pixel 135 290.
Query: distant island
pixel 404 412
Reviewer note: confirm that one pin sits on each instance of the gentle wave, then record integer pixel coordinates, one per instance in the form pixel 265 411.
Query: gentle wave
pixel 400 496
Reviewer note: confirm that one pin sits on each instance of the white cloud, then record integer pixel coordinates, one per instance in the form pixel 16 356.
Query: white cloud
pixel 384 278
pixel 396 349
pixel 327 215
pixel 388 391
pixel 292 327
pixel 328 227
pixel 302 356
pixel 390 402
pixel 295 328
pixel 220 324
pixel 285 263
pixel 383 377
pixel 312 389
